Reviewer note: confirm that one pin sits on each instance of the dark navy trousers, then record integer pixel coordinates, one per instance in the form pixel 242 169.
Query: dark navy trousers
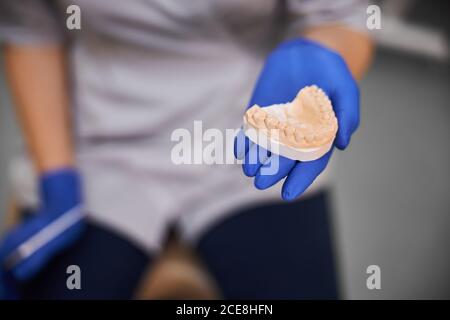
pixel 277 251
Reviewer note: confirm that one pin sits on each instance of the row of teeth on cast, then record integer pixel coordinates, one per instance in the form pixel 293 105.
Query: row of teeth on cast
pixel 295 136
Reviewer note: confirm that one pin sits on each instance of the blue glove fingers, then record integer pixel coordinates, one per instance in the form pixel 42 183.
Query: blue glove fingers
pixel 21 233
pixel 346 105
pixel 33 264
pixel 285 165
pixel 241 145
pixel 254 159
pixel 302 176
pixel 53 228
pixel 70 227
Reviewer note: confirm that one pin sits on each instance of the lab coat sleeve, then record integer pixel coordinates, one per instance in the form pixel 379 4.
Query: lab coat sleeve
pixel 306 14
pixel 30 22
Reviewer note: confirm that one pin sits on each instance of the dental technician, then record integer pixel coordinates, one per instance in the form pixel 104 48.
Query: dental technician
pixel 98 107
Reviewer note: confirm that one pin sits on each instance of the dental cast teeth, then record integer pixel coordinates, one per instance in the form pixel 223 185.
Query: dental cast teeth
pixel 304 129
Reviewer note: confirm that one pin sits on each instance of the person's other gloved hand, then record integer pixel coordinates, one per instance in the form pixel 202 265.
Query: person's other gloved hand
pixel 290 67
pixel 57 224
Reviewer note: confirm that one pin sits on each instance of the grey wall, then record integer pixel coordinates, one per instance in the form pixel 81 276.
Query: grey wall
pixel 392 187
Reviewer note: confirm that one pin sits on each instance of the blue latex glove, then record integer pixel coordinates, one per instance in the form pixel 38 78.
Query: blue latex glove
pixel 290 67
pixel 59 222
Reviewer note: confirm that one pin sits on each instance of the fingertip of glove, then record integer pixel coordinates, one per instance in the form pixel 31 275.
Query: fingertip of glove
pixel 260 183
pixel 342 145
pixel 287 195
pixel 342 141
pixel 246 170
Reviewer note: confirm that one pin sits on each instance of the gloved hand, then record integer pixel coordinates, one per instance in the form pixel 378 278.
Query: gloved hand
pixel 57 224
pixel 290 67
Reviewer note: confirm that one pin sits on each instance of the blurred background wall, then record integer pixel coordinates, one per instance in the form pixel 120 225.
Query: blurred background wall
pixel 391 191
pixel 392 187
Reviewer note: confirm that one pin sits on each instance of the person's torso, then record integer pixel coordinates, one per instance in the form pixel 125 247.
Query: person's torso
pixel 146 67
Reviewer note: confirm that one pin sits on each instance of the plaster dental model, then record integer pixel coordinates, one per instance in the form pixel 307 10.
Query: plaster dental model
pixel 303 129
